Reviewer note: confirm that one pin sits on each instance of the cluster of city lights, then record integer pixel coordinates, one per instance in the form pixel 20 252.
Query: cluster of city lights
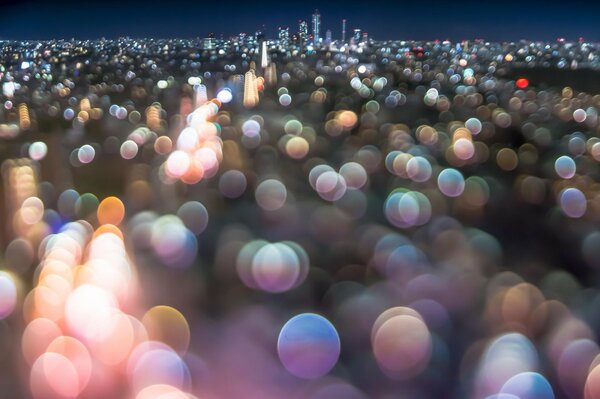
pixel 255 218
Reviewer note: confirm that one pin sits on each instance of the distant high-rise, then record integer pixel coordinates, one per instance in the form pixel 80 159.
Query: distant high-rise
pixel 284 37
pixel 316 26
pixel 302 33
pixel 209 43
pixel 357 36
pixel 264 56
pixel 328 36
pixel 260 35
pixel 250 89
pixel 242 39
pixel 343 31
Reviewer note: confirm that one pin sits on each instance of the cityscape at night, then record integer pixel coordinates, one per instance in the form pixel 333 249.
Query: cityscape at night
pixel 255 200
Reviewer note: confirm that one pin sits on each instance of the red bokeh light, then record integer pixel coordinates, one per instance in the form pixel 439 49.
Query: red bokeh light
pixel 522 83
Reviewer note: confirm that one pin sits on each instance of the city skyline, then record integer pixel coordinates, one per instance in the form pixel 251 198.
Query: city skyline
pixel 467 20
pixel 265 200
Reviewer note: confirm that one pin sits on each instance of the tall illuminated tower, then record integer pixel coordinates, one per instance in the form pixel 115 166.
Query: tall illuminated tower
pixel 250 89
pixel 264 57
pixel 284 37
pixel 316 26
pixel 343 31
pixel 303 33
pixel 357 36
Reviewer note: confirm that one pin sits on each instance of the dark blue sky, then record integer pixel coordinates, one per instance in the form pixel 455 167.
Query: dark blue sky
pixel 501 20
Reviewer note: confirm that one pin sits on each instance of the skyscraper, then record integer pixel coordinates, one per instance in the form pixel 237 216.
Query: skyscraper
pixel 264 56
pixel 328 36
pixel 316 26
pixel 284 37
pixel 260 35
pixel 303 33
pixel 209 43
pixel 356 38
pixel 343 31
pixel 250 89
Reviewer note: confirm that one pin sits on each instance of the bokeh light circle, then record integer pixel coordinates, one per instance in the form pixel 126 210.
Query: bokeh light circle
pixel 38 150
pixel 528 385
pixel 565 167
pixel 270 194
pixel 451 182
pixel 308 346
pixel 573 202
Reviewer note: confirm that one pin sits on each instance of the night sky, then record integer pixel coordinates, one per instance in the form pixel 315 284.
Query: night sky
pixel 383 19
